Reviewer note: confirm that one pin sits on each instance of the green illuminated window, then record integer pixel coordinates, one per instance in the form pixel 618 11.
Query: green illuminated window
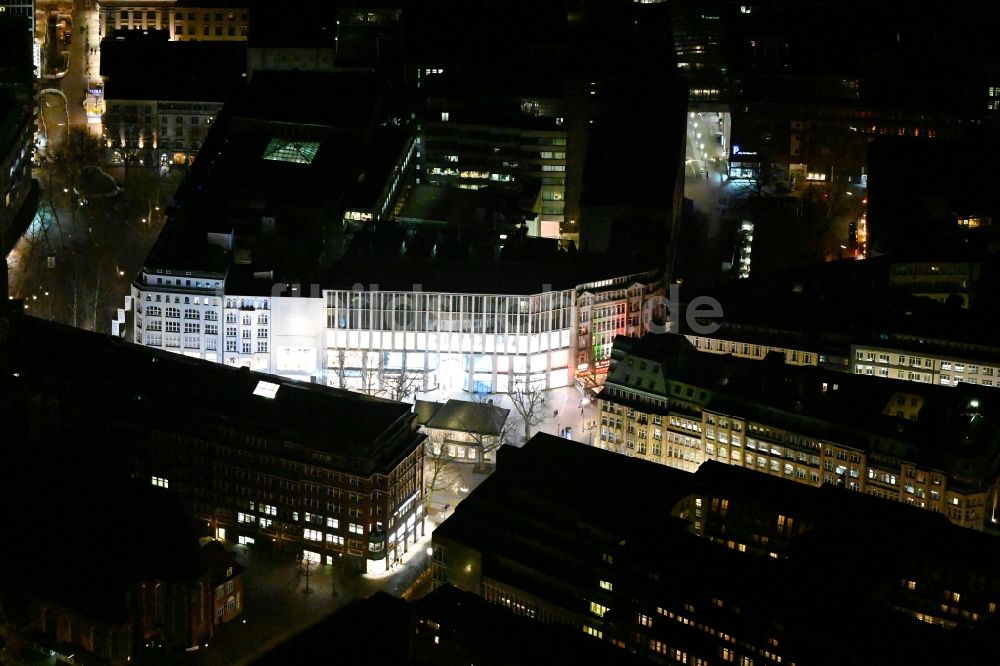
pixel 283 150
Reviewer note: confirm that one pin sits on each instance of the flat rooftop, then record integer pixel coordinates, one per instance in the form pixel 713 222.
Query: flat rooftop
pixel 109 375
pixel 138 67
pixel 546 519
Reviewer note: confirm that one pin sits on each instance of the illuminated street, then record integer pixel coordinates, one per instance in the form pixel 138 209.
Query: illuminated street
pixel 706 178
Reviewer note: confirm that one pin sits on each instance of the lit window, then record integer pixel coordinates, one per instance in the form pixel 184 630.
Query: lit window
pixel 606 585
pixel 598 609
pixel 444 116
pixel 161 482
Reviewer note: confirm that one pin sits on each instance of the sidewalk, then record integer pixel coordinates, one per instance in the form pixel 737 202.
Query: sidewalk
pixel 278 607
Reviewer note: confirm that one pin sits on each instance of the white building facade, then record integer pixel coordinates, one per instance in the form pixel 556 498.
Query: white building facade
pixel 480 343
pixel 365 339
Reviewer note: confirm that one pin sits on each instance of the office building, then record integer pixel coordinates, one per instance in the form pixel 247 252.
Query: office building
pixel 256 459
pixel 720 566
pixel 19 191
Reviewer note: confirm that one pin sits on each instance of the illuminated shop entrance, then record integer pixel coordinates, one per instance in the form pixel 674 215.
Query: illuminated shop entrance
pixel 451 372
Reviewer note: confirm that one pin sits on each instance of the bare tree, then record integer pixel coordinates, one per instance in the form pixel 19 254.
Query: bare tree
pixel 80 148
pixel 530 401
pixel 98 293
pixel 401 387
pixel 439 471
pixel 489 443
pixel 128 144
pixel 341 370
pixel 370 376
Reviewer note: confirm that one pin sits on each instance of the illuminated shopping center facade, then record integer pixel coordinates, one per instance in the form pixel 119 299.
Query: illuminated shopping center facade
pixel 366 338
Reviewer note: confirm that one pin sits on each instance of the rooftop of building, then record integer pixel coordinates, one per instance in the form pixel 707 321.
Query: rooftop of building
pixel 497 96
pixel 514 266
pixel 488 207
pixel 375 630
pixel 132 381
pixel 545 533
pixel 527 477
pixel 300 163
pixel 347 101
pixel 956 428
pixel 467 416
pixel 425 410
pixel 136 66
pixel 468 628
pixel 853 300
pixel 274 27
pixel 222 565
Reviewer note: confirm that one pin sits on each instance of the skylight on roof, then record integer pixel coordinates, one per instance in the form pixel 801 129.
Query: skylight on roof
pixel 298 152
pixel 266 389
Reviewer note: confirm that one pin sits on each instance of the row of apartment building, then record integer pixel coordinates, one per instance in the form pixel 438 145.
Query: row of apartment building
pixel 898 356
pixel 927 446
